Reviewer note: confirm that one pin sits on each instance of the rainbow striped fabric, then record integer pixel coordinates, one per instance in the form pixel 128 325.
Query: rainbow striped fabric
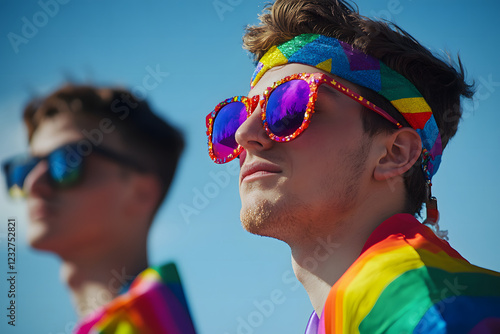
pixel 407 280
pixel 342 59
pixel 154 304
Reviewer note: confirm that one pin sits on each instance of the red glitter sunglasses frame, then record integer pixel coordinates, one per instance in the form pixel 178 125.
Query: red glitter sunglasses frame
pixel 314 80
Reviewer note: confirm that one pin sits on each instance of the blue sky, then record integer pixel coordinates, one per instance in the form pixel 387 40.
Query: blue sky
pixel 227 273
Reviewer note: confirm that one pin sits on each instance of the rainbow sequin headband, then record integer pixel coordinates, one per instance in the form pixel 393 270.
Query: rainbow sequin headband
pixel 341 59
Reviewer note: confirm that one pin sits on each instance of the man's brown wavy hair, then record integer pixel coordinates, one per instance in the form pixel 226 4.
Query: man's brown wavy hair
pixel 440 81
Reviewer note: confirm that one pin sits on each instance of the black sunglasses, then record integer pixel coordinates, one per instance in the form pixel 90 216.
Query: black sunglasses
pixel 65 165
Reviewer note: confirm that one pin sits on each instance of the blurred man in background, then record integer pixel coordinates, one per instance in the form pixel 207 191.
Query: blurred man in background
pixel 100 165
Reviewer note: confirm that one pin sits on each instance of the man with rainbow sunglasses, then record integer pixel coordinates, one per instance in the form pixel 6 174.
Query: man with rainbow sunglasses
pixel 338 140
pixel 100 164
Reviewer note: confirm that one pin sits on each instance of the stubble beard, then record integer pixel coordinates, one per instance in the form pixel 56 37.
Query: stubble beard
pixel 290 218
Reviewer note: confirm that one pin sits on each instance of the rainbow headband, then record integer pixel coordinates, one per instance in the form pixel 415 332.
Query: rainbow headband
pixel 342 59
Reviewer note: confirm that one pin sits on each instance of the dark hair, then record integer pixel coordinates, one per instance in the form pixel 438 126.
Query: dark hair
pixel 148 139
pixel 440 82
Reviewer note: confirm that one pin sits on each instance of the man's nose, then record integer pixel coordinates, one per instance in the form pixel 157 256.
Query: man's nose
pixel 37 182
pixel 251 134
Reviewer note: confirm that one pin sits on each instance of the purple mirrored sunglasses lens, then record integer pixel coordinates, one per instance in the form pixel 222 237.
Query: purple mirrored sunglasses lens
pixel 286 107
pixel 227 121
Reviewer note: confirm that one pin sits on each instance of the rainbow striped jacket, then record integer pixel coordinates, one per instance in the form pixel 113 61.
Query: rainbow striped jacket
pixel 407 280
pixel 154 304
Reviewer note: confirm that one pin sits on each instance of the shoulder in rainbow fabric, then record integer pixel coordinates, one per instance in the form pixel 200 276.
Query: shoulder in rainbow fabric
pixel 154 304
pixel 407 280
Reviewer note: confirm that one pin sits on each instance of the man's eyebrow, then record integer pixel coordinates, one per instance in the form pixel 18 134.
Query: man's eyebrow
pixel 329 89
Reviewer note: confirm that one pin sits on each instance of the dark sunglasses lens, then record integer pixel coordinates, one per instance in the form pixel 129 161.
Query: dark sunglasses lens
pixel 16 171
pixel 226 123
pixel 65 166
pixel 286 107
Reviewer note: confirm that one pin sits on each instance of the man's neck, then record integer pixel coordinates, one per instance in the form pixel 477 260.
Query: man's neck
pixel 319 261
pixel 321 264
pixel 96 280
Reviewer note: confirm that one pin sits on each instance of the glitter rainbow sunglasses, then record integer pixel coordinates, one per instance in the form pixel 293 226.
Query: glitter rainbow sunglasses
pixel 65 166
pixel 286 110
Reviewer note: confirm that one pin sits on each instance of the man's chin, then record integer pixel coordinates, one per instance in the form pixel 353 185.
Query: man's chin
pixel 260 220
pixel 276 217
pixel 40 238
pixel 40 244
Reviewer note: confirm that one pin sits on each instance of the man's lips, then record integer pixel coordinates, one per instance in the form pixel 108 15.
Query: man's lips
pixel 257 169
pixel 40 210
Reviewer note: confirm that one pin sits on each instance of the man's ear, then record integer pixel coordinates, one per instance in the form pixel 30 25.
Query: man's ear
pixel 402 150
pixel 146 192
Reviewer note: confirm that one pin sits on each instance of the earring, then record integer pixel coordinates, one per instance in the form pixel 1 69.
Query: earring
pixel 432 219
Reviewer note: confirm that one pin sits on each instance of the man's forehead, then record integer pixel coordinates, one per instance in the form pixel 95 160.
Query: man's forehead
pixel 64 128
pixel 53 132
pixel 279 72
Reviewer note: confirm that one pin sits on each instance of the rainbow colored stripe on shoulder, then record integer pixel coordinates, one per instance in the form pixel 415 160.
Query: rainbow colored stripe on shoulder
pixel 342 59
pixel 155 303
pixel 407 280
